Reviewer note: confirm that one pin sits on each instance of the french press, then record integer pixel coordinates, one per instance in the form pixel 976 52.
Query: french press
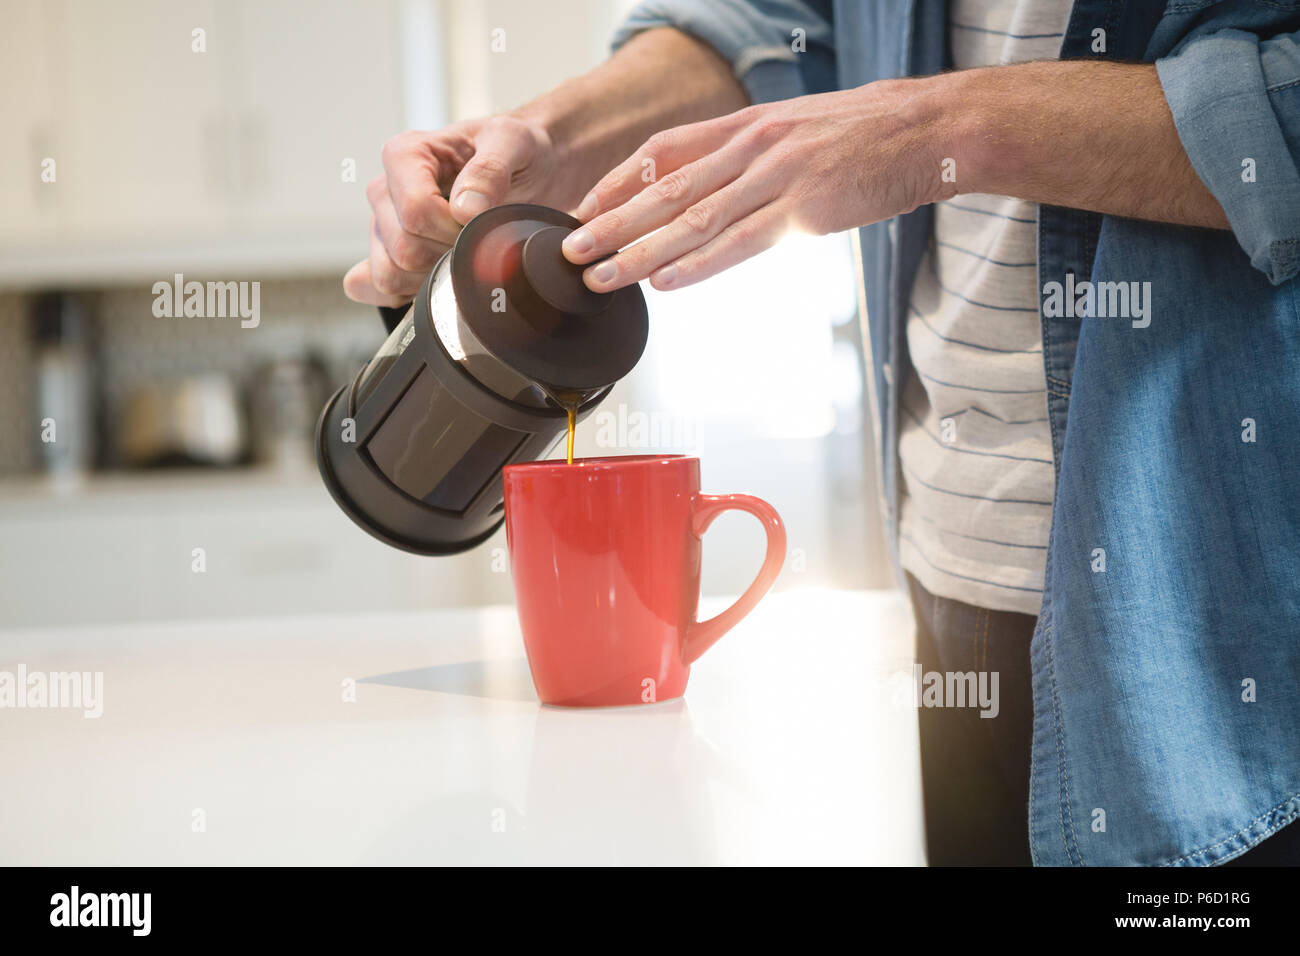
pixel 477 373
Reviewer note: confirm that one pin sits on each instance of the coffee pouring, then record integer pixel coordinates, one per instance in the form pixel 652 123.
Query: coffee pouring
pixel 502 350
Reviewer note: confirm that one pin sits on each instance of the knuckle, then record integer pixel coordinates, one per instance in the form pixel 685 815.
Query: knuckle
pixel 768 128
pixel 634 260
pixel 608 190
pixel 409 211
pixel 764 131
pixel 405 253
pixel 698 218
pixel 779 158
pixel 676 185
pixel 803 217
pixel 661 142
pixel 609 226
pixel 376 189
pixel 384 278
pixel 739 233
pixel 489 167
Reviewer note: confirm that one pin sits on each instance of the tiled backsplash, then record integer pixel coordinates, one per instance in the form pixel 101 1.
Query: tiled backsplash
pixel 298 318
pixel 17 424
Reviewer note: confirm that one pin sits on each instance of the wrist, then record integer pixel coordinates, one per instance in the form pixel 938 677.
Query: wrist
pixel 984 114
pixel 931 117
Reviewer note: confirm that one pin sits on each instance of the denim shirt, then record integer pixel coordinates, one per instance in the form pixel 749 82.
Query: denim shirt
pixel 1166 659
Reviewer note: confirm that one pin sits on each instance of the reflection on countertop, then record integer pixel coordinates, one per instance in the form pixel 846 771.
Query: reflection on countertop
pixel 413 738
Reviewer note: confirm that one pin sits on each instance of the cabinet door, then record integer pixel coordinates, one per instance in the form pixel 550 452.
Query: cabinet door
pixel 27 105
pixel 147 143
pixel 319 87
pixel 192 135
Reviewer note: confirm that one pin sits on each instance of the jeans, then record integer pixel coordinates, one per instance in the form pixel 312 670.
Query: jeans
pixel 975 770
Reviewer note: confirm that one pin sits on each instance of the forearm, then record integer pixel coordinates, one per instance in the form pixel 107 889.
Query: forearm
pixel 658 79
pixel 1086 135
pixel 1082 134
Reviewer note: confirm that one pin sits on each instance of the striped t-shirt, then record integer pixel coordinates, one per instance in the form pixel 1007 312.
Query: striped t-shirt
pixel 974 443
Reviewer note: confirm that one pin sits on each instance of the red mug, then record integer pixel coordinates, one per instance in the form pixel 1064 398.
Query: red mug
pixel 605 555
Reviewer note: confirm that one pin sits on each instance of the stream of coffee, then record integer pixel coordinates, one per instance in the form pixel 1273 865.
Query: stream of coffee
pixel 572 409
pixel 569 401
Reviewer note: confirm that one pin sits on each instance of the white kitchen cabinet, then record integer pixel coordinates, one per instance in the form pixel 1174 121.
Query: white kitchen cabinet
pixel 315 92
pixel 228 159
pixel 122 548
pixel 229 162
pixel 26 105
pixel 136 120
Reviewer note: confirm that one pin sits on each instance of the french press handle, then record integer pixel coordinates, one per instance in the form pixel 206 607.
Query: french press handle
pixel 392 315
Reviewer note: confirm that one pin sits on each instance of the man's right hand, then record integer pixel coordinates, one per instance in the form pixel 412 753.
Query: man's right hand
pixel 435 182
pixel 549 151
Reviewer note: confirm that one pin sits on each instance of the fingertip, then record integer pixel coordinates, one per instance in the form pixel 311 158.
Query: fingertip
pixel 467 204
pixel 356 280
pixel 359 286
pixel 578 246
pixel 602 276
pixel 665 278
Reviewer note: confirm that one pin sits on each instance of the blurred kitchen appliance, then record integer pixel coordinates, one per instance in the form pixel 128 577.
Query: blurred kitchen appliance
pixel 477 373
pixel 62 385
pixel 284 398
pixel 190 421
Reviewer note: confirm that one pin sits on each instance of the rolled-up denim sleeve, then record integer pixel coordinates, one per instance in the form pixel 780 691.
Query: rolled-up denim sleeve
pixel 777 48
pixel 1235 99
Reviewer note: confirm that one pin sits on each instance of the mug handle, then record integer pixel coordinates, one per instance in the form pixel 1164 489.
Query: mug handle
pixel 701 635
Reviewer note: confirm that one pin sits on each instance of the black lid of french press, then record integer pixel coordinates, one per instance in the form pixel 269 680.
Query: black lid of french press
pixel 528 305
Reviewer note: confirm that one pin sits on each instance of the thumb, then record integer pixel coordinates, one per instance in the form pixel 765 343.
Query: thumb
pixel 502 147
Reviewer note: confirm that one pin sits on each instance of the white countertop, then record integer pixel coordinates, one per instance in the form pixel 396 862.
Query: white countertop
pixel 793 744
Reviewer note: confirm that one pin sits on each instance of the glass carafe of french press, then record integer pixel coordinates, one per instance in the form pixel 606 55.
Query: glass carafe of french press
pixel 478 373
